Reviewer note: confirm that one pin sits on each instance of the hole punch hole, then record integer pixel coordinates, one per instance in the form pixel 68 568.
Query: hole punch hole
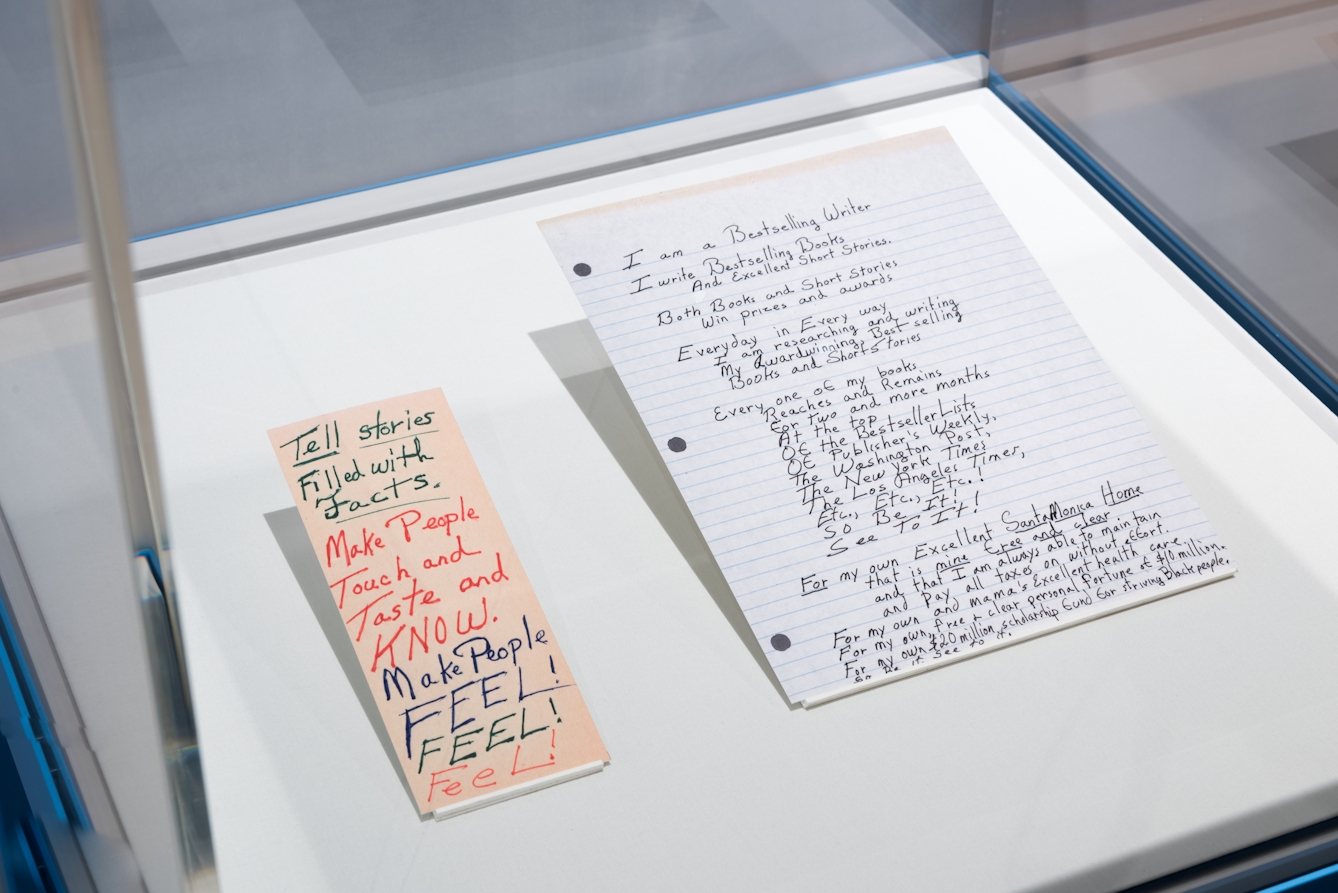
pixel 581 269
pixel 677 444
pixel 780 642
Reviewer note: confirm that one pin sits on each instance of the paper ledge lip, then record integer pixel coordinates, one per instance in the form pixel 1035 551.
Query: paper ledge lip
pixel 833 694
pixel 547 781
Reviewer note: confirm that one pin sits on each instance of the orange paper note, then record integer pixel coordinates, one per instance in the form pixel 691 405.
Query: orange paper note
pixel 467 673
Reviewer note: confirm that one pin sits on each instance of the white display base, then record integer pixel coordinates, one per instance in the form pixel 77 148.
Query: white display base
pixel 1121 750
pixel 528 787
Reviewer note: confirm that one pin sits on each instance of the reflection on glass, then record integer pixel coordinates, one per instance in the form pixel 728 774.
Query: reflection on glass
pixel 225 112
pixel 90 700
pixel 1221 116
pixel 37 207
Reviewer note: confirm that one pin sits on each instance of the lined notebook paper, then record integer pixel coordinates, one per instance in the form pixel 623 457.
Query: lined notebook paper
pixel 896 439
pixel 467 673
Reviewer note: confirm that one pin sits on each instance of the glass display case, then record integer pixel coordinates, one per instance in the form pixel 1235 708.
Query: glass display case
pixel 101 765
pixel 1216 119
pixel 214 222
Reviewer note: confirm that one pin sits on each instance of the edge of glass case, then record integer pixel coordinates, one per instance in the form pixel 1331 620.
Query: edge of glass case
pixel 1190 263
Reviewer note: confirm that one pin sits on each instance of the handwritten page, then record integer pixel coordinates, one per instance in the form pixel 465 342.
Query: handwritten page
pixel 462 663
pixel 898 443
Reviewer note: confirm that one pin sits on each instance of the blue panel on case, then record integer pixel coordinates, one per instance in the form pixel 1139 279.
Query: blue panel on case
pixel 1321 881
pixel 34 780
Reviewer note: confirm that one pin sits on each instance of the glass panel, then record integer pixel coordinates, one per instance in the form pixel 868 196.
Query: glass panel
pixel 83 645
pixel 1221 116
pixel 60 496
pixel 228 111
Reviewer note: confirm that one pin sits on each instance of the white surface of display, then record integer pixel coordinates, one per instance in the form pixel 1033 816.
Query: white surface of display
pixel 1094 759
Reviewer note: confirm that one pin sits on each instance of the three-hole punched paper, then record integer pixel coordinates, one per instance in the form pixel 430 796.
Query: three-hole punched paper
pixel 896 439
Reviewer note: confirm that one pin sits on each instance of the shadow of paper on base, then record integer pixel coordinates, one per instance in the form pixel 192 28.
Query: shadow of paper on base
pixel 286 525
pixel 575 354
